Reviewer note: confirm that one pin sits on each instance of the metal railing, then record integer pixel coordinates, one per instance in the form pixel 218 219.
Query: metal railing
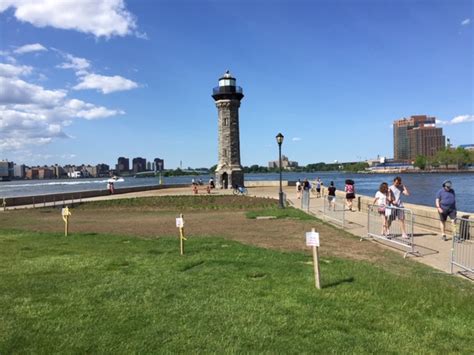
pixel 393 225
pixel 305 200
pixel 227 90
pixel 462 252
pixel 335 210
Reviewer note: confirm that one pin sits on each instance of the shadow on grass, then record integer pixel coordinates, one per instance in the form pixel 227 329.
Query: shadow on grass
pixel 339 282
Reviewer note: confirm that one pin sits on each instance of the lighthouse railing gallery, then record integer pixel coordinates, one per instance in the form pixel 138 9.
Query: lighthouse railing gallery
pixel 227 90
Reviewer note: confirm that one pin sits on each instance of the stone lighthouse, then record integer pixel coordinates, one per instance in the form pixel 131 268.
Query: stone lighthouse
pixel 227 96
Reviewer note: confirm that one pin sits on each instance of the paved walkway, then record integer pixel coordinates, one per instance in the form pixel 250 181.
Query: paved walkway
pixel 432 250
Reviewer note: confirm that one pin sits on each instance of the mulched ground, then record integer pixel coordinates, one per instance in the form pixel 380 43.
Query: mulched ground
pixel 154 219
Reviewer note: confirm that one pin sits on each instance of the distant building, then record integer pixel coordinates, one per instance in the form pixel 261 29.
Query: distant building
pixel 6 170
pixel 89 171
pixel 19 171
pixel 58 171
pixel 74 174
pixel 159 164
pixel 148 166
pixel 285 163
pixel 467 146
pixel 139 165
pixel 102 170
pixel 416 135
pixel 122 165
pixel 40 173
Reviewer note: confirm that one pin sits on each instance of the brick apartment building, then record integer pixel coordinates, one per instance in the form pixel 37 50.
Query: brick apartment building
pixel 416 135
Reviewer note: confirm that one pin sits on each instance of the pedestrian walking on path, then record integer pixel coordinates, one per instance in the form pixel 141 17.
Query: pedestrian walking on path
pixel 298 189
pixel 350 193
pixel 318 187
pixel 382 200
pixel 446 205
pixel 398 190
pixel 332 196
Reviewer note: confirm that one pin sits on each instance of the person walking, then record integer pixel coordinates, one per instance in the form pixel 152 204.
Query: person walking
pixel 332 196
pixel 446 205
pixel 306 185
pixel 318 187
pixel 350 193
pixel 397 191
pixel 211 183
pixel 382 200
pixel 298 189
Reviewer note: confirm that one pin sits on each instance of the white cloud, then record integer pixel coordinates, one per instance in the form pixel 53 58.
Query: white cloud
pixel 32 115
pixel 105 84
pixel 36 47
pixel 457 120
pixel 466 22
pixel 104 18
pixel 462 119
pixel 296 139
pixel 9 70
pixel 17 91
pixel 79 65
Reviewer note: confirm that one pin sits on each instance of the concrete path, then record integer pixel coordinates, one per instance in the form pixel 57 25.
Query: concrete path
pixel 431 249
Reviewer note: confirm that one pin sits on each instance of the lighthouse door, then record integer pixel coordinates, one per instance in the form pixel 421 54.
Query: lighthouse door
pixel 225 181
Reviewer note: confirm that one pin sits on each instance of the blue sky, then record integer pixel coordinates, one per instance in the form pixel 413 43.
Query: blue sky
pixel 89 81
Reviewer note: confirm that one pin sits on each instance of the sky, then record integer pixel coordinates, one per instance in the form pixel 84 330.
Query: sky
pixel 87 81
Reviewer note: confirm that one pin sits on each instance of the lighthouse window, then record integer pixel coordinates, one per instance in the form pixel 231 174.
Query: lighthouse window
pixel 226 121
pixel 225 153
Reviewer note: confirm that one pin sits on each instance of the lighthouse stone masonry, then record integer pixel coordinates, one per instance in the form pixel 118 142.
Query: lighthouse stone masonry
pixel 227 97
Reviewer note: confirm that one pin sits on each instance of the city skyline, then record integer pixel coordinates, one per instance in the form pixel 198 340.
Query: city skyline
pixel 325 74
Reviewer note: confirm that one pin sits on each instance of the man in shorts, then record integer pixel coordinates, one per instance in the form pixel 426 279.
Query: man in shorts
pixel 398 190
pixel 446 205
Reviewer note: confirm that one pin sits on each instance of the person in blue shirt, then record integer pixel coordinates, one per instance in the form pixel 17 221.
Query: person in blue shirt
pixel 446 205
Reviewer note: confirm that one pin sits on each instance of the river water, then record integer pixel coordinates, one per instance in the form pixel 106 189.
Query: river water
pixel 423 187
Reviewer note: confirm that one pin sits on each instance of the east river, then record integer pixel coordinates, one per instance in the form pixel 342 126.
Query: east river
pixel 423 187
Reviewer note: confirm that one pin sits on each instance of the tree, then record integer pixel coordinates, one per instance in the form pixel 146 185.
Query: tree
pixel 420 162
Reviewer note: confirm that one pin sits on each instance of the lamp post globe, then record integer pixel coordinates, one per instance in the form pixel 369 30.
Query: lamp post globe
pixel 279 138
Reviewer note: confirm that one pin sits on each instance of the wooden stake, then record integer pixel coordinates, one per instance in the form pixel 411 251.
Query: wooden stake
pixel 316 268
pixel 181 236
pixel 317 278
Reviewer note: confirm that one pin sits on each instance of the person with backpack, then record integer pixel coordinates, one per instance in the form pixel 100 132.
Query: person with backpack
pixel 446 206
pixel 350 193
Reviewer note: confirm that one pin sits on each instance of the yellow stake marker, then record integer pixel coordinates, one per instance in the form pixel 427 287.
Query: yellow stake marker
pixel 65 214
pixel 180 225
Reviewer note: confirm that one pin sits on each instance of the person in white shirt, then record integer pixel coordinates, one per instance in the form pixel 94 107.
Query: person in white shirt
pixel 298 189
pixel 398 190
pixel 382 200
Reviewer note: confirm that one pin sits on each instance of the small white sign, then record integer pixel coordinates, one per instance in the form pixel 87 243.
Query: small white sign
pixel 312 239
pixel 65 211
pixel 179 222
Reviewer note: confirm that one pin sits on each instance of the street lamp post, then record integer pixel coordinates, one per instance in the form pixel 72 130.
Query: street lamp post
pixel 279 139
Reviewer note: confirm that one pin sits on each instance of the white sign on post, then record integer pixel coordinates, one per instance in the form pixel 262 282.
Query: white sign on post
pixel 312 239
pixel 179 222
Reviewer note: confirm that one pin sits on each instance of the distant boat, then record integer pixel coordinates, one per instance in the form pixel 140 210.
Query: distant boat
pixel 115 179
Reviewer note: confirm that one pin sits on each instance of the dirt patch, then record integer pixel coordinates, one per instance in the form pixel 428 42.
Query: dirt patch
pixel 279 234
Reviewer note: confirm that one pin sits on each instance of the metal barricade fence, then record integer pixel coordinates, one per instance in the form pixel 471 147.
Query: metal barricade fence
pixel 391 224
pixel 305 199
pixel 334 210
pixel 462 252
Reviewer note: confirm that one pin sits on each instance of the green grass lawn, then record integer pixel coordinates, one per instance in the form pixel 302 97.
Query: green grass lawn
pixel 289 212
pixel 101 293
